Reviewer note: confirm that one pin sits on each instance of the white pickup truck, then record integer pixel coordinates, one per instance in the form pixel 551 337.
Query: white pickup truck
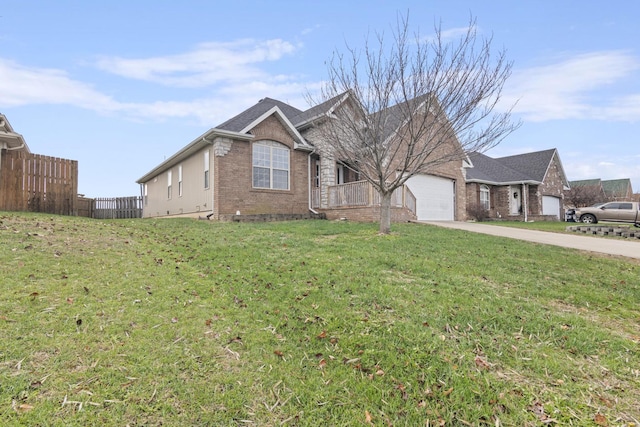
pixel 612 211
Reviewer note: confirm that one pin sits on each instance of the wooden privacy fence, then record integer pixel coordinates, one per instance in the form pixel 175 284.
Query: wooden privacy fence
pixel 117 207
pixel 37 183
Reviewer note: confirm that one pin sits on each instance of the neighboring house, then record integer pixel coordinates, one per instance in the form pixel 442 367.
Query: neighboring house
pixel 270 161
pixel 9 139
pixel 617 189
pixel 589 191
pixel 522 187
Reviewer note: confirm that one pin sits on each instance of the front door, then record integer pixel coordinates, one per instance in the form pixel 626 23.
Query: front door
pixel 516 200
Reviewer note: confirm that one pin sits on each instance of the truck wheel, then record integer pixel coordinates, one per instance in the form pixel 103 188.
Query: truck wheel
pixel 588 219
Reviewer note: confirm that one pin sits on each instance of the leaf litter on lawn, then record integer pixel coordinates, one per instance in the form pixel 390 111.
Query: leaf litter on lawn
pixel 307 323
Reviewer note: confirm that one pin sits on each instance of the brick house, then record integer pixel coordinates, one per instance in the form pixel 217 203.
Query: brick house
pixel 522 187
pixel 270 162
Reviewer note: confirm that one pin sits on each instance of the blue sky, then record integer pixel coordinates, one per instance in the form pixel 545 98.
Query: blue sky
pixel 122 85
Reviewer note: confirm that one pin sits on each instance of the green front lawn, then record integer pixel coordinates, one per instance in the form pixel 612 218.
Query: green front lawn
pixel 181 322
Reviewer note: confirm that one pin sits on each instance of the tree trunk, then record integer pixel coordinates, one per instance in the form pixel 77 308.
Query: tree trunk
pixel 385 213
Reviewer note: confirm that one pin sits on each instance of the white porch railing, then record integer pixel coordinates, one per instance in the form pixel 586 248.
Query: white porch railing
pixel 351 194
pixel 362 193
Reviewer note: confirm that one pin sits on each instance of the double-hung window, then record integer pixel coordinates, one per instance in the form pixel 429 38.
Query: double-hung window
pixel 485 200
pixel 169 179
pixel 206 169
pixel 180 181
pixel 270 165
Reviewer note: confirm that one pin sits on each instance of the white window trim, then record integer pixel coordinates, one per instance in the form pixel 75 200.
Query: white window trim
pixel 271 145
pixel 179 180
pixel 484 189
pixel 207 175
pixel 169 179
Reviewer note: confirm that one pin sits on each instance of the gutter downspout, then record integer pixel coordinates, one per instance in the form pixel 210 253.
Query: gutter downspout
pixel 310 197
pixel 142 198
pixel 4 147
pixel 211 180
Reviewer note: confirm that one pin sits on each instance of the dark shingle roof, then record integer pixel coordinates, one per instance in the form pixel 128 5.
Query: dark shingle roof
pixel 317 110
pixel 396 115
pixel 534 165
pixel 487 169
pixel 518 168
pixel 242 120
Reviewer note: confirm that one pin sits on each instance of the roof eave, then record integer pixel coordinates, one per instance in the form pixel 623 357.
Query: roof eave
pixel 489 182
pixel 194 146
pixel 12 141
pixel 299 142
pixel 9 139
pixel 310 121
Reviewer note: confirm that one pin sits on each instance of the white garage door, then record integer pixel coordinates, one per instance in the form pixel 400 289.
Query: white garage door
pixel 435 199
pixel 551 206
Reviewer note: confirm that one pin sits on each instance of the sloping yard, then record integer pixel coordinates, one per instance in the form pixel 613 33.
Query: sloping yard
pixel 180 322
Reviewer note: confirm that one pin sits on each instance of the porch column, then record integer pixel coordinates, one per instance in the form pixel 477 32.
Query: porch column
pixel 525 201
pixel 327 178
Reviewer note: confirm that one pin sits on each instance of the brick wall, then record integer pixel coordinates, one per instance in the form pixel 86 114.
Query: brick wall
pixel 368 214
pixel 233 177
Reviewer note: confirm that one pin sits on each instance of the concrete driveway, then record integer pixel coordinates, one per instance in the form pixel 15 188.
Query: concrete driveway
pixel 626 248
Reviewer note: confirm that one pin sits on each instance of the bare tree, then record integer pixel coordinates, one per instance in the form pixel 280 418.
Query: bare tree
pixel 412 99
pixel 584 195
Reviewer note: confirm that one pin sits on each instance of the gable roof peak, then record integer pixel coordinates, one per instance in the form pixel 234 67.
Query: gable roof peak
pixel 306 118
pixel 240 121
pixel 531 167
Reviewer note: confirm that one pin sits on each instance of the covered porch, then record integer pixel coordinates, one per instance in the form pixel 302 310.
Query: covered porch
pixel 359 200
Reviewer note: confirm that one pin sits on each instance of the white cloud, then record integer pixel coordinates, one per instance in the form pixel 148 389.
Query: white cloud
pixel 207 64
pixel 20 85
pixel 626 108
pixel 231 70
pixel 570 89
pixel 309 30
pixel 450 35
pixel 606 164
pixel 456 33
pixel 586 167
